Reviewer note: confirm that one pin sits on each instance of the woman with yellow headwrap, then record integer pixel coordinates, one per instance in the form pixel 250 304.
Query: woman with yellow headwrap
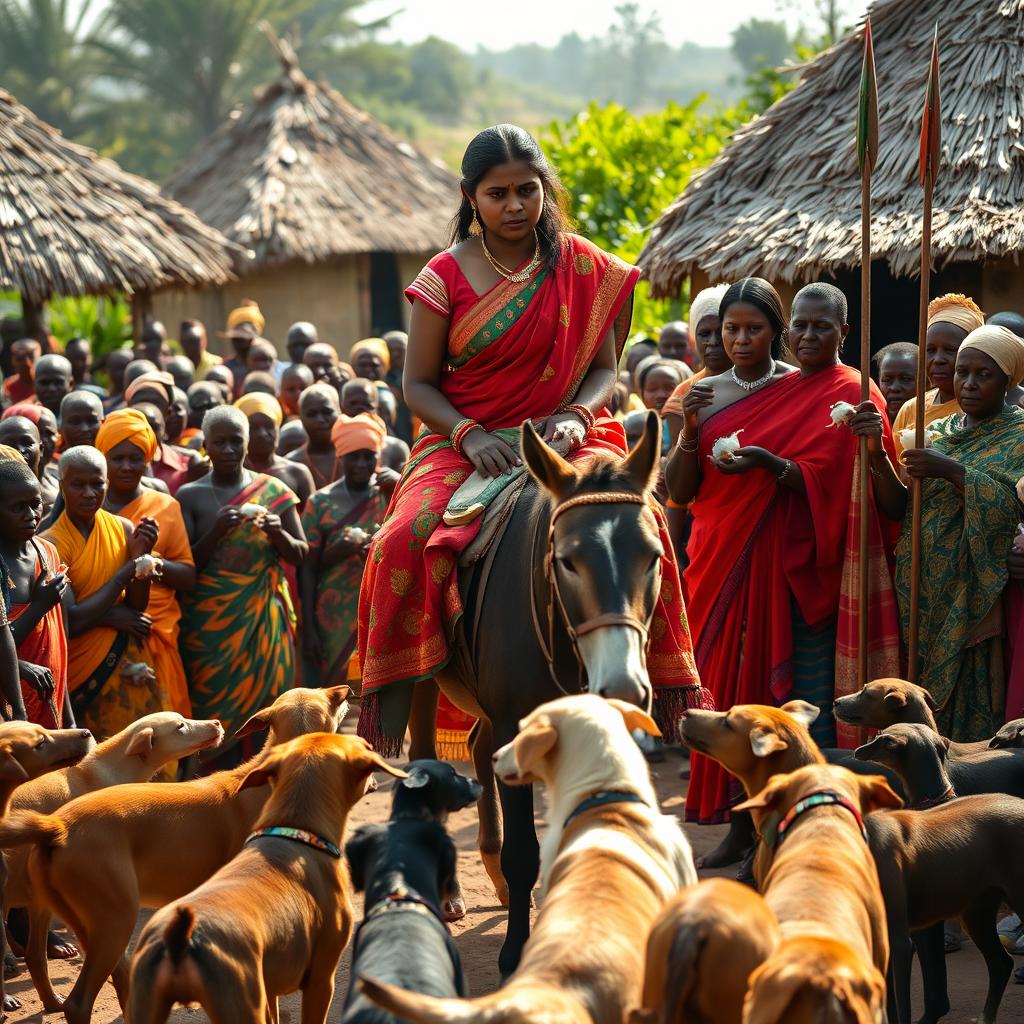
pixel 129 444
pixel 950 319
pixel 340 522
pixel 265 417
pixel 371 358
pixel 970 511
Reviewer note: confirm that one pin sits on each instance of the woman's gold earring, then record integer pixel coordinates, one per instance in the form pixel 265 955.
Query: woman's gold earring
pixel 475 227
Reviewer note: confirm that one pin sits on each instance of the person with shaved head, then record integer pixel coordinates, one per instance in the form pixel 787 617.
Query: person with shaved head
pixel 21 385
pixel 53 382
pixel 318 409
pixel 81 414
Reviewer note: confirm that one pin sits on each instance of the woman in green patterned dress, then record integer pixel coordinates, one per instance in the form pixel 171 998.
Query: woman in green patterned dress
pixel 970 512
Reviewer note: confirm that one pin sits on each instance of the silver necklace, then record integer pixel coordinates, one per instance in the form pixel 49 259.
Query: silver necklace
pixel 753 385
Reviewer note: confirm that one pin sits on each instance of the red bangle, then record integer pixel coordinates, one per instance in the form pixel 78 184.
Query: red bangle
pixel 589 419
pixel 461 430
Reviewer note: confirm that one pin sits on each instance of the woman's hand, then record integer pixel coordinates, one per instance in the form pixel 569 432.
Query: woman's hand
pixel 744 460
pixel 387 481
pixel 867 422
pixel 144 538
pixel 563 425
pixel 700 396
pixel 928 464
pixel 228 518
pixel 126 620
pixel 38 677
pixel 271 524
pixel 489 454
pixel 48 591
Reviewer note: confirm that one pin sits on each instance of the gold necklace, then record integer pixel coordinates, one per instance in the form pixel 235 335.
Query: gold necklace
pixel 517 277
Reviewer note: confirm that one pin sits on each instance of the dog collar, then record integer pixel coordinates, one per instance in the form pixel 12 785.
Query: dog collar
pixel 820 798
pixel 935 801
pixel 297 835
pixel 606 796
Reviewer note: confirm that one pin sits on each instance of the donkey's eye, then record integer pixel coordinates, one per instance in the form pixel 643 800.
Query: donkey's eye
pixel 567 565
pixel 655 562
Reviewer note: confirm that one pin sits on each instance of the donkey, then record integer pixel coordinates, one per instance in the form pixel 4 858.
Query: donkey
pixel 578 571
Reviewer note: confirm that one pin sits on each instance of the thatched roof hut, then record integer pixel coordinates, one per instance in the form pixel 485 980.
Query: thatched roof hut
pixel 783 198
pixel 72 223
pixel 338 211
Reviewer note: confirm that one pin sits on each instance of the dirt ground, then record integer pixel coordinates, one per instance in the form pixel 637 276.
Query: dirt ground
pixel 480 933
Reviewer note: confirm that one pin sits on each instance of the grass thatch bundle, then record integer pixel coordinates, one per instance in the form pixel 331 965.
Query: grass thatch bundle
pixel 783 198
pixel 73 223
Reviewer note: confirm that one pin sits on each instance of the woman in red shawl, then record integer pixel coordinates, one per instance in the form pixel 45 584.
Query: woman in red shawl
pixel 517 320
pixel 772 582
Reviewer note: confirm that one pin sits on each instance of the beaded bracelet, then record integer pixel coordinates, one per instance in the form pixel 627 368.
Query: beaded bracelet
pixel 459 432
pixel 685 444
pixel 584 414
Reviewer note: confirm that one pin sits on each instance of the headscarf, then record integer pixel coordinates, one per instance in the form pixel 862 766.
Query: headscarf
pixel 706 303
pixel 9 454
pixel 365 432
pixel 378 346
pixel 1001 345
pixel 27 409
pixel 127 425
pixel 247 314
pixel 258 402
pixel 155 380
pixel 958 310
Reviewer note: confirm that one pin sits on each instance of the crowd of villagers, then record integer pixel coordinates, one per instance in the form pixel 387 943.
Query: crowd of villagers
pixel 199 534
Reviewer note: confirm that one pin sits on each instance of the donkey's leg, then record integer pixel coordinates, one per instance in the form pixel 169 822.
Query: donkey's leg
pixel 423 720
pixel 488 811
pixel 520 863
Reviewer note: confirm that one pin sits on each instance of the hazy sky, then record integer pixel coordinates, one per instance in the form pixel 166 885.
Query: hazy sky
pixel 498 25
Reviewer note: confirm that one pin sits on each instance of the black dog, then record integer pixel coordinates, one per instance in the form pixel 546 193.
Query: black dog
pixel 407 870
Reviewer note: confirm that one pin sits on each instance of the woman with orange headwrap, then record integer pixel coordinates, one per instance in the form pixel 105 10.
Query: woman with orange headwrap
pixel 129 444
pixel 340 522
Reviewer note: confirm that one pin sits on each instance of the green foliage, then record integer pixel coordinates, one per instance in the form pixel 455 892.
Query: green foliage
pixel 106 322
pixel 623 170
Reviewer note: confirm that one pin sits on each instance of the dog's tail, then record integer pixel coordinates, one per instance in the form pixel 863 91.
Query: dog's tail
pixel 22 828
pixel 417 1007
pixel 178 934
pixel 684 957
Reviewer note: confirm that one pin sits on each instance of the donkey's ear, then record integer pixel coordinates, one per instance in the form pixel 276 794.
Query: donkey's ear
pixel 642 462
pixel 549 469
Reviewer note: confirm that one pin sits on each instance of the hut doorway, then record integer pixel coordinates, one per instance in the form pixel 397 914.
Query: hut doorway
pixel 385 293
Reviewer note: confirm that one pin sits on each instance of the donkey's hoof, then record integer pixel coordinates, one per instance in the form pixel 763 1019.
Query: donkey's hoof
pixel 454 910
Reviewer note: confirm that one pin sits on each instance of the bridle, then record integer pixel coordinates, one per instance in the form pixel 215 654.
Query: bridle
pixel 575 631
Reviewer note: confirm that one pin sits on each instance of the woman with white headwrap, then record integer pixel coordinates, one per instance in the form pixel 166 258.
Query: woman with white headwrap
pixel 970 513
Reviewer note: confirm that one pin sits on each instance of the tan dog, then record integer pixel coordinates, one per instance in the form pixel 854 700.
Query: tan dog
pixel 28 751
pixel 277 917
pixel 105 854
pixel 702 949
pixel 609 862
pixel 821 884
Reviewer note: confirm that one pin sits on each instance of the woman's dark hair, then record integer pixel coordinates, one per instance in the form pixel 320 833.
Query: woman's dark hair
pixel 502 144
pixel 757 292
pixel 821 291
pixel 897 348
pixel 651 363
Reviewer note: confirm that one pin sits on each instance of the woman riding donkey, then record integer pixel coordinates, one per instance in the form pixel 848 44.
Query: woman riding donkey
pixel 518 320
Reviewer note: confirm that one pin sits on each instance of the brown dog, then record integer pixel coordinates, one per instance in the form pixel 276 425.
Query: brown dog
pixel 702 949
pixel 609 862
pixel 106 853
pixel 277 917
pixel 820 881
pixel 28 751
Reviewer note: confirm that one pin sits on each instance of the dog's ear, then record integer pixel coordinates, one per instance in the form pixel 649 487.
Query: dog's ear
pixel 257 723
pixel 804 713
pixel 141 743
pixel 850 1006
pixel 635 718
pixel 875 794
pixel 548 468
pixel 375 763
pixel 10 767
pixel 895 699
pixel 771 989
pixel 357 853
pixel 642 462
pixel 264 772
pixel 337 695
pixel 416 779
pixel 929 700
pixel 533 743
pixel 764 741
pixel 768 797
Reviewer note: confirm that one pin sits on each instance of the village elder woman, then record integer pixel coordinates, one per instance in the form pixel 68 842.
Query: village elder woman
pixel 970 512
pixel 106 613
pixel 771 548
pixel 517 320
pixel 237 642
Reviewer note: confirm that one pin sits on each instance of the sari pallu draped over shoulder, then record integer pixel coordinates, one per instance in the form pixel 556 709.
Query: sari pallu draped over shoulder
pixel 517 353
pixel 965 540
pixel 758 551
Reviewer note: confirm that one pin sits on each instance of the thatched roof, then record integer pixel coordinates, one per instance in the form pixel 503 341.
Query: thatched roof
pixel 783 198
pixel 302 174
pixel 72 223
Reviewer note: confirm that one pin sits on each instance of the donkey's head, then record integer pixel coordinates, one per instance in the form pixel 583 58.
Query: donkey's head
pixel 605 558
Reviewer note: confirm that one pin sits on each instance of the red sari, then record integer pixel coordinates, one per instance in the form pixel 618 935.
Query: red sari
pixel 758 551
pixel 518 352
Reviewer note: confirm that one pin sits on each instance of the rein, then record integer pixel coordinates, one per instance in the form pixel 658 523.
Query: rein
pixel 575 631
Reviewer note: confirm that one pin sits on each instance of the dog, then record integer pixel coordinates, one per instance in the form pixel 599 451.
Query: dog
pixel 956 858
pixel 819 879
pixel 701 951
pixel 886 702
pixel 101 856
pixel 28 751
pixel 277 917
pixel 609 862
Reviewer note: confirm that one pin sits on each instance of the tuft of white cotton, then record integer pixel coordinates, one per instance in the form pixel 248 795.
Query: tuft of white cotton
pixel 908 438
pixel 723 448
pixel 147 566
pixel 841 413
